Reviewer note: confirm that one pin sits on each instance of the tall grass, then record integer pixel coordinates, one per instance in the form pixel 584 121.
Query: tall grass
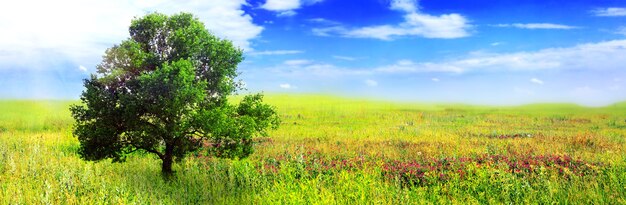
pixel 332 150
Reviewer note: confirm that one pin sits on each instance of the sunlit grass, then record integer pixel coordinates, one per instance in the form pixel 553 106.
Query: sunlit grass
pixel 39 164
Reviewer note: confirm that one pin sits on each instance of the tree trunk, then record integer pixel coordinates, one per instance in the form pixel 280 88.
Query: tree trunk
pixel 166 168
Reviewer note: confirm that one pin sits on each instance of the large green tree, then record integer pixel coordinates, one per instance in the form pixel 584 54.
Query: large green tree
pixel 165 91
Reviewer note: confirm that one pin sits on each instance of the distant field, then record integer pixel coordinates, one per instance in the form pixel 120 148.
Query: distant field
pixel 332 150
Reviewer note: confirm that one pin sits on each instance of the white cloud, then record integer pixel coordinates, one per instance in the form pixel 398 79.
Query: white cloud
pixel 297 69
pixel 612 11
pixel 536 81
pixel 82 68
pixel 346 58
pixel 275 52
pixel 384 32
pixel 331 71
pixel 601 56
pixel 415 23
pixel 224 18
pixel 281 5
pixel 80 31
pixel 323 21
pixel 496 43
pixel 286 7
pixel 538 26
pixel 285 86
pixel 286 13
pixel 328 31
pixel 607 55
pixel 297 62
pixel 408 66
pixel 404 5
pixel 371 83
pixel 435 79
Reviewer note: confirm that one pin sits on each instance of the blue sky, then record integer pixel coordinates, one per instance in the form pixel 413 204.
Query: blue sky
pixel 479 52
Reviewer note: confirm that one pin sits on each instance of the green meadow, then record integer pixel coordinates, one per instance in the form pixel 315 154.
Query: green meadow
pixel 332 150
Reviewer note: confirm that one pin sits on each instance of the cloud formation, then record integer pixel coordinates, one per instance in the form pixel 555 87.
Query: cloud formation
pixel 538 26
pixel 297 62
pixel 601 56
pixel 281 5
pixel 514 75
pixel 79 31
pixel 285 86
pixel 607 55
pixel 285 8
pixel 416 23
pixel 408 66
pixel 346 58
pixel 286 13
pixel 536 81
pixel 611 11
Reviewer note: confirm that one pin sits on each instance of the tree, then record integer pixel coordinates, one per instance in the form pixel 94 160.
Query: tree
pixel 165 91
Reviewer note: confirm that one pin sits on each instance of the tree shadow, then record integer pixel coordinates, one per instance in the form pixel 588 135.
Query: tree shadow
pixel 191 183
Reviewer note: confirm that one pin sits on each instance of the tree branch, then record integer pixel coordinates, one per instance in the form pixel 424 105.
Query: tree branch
pixel 153 151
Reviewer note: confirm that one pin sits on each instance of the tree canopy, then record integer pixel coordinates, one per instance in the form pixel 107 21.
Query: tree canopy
pixel 165 91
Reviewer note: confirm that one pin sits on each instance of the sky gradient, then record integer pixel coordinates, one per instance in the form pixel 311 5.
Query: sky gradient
pixel 478 52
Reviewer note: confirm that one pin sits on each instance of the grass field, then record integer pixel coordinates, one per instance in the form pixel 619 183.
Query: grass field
pixel 332 150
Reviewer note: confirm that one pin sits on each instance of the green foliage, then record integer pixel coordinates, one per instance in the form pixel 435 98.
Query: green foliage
pixel 251 116
pixel 165 91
